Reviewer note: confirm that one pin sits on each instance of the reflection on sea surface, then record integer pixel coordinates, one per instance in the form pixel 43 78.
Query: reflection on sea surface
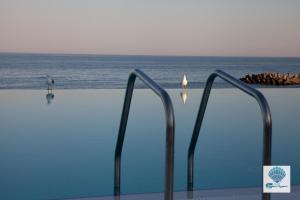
pixel 49 96
pixel 74 158
pixel 184 95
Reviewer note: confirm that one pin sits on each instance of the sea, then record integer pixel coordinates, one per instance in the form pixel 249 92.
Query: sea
pixel 60 144
pixel 74 71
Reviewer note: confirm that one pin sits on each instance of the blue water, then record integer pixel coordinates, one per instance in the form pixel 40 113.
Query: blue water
pixel 65 149
pixel 29 71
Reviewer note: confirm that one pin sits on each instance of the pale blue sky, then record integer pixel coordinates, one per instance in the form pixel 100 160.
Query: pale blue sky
pixel 157 27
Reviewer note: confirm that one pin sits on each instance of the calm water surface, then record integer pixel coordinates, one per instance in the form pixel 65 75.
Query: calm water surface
pixel 65 149
pixel 29 71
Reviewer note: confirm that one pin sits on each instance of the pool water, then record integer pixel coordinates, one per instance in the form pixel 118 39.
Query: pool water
pixel 65 149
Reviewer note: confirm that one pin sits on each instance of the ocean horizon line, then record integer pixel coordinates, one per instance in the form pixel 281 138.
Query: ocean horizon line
pixel 147 55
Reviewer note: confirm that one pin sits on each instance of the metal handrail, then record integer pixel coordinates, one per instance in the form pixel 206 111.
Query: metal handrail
pixel 170 131
pixel 266 115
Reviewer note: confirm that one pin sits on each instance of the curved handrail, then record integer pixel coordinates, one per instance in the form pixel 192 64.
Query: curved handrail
pixel 170 131
pixel 266 115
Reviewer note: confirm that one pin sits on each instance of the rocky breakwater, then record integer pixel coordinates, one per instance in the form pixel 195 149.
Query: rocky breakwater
pixel 272 79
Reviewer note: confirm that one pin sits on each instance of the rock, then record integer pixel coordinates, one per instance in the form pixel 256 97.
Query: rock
pixel 272 79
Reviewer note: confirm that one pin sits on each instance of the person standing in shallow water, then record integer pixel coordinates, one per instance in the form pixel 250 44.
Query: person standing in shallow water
pixel 50 82
pixel 50 85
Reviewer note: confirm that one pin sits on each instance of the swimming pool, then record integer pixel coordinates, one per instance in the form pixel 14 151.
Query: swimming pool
pixel 66 149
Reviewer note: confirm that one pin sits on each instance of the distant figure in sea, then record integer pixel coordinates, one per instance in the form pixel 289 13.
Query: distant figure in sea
pixel 183 93
pixel 50 83
pixel 184 81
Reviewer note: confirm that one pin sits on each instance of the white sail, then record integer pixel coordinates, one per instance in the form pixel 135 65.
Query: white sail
pixel 184 81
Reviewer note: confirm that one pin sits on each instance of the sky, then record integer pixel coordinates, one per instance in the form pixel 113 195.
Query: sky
pixel 152 27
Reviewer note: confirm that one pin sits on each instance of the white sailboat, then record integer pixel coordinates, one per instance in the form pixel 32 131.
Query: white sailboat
pixel 184 81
